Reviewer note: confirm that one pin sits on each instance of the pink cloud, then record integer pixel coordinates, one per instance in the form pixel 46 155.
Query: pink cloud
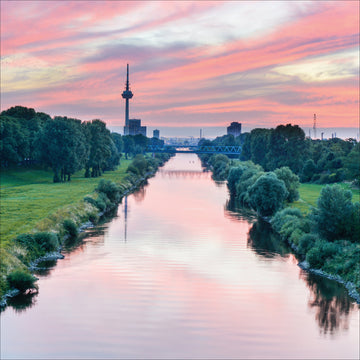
pixel 181 80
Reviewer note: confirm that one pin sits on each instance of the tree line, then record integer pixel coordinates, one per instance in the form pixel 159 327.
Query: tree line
pixel 65 145
pixel 318 161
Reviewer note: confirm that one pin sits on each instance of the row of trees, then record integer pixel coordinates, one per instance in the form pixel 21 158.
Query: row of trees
pixel 321 161
pixel 64 144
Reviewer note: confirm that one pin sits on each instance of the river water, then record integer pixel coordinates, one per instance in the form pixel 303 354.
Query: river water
pixel 177 274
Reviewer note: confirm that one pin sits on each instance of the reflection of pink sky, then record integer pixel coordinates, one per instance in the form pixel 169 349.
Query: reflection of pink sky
pixel 303 59
pixel 185 284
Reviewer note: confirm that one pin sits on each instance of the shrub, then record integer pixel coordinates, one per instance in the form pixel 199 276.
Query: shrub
pixel 132 169
pixel 306 242
pixel 29 243
pixel 321 252
pixel 70 228
pixel 110 189
pixel 47 241
pixel 314 258
pixel 90 200
pixel 21 280
pixel 282 216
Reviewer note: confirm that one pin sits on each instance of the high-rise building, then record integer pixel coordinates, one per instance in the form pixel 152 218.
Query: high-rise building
pixel 156 134
pixel 234 129
pixel 135 127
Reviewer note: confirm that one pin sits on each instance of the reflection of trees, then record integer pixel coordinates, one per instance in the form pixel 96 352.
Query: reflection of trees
pixel 331 302
pixel 234 212
pixel 329 298
pixel 264 241
pixel 22 302
pixel 139 195
pixel 44 267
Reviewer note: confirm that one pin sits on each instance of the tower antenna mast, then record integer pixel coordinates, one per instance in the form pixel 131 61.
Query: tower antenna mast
pixel 314 126
pixel 127 95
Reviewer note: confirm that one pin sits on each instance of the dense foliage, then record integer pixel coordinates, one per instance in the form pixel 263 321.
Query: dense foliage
pixel 318 161
pixel 63 144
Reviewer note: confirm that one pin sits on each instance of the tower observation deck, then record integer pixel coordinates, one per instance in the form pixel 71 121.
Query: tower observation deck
pixel 127 95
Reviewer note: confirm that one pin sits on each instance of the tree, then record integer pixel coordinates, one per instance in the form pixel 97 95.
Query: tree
pixel 235 173
pixel 291 182
pixel 267 195
pixel 352 164
pixel 118 141
pixel 99 139
pixel 334 214
pixel 129 145
pixel 62 147
pixel 287 147
pixel 14 144
pixel 308 170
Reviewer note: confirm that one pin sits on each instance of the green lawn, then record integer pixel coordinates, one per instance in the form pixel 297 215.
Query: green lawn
pixel 309 194
pixel 28 196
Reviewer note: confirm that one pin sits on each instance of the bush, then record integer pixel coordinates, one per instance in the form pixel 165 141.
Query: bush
pixel 47 241
pixel 322 252
pixel 314 258
pixel 282 216
pixel 21 280
pixel 110 189
pixel 70 228
pixel 306 242
pixel 132 169
pixel 29 243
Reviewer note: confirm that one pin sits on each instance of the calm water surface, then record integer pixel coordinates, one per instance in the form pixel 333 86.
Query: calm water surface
pixel 177 274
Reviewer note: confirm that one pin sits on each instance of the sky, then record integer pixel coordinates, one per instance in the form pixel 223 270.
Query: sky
pixel 193 64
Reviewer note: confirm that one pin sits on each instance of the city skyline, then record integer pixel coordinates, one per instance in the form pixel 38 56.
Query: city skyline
pixel 193 64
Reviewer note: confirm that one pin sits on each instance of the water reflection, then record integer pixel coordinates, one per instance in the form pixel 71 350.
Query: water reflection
pixel 331 303
pixel 22 302
pixel 265 242
pixel 139 195
pixel 236 213
pixel 328 298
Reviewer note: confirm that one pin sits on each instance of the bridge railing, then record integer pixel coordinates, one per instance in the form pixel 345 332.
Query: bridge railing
pixel 228 150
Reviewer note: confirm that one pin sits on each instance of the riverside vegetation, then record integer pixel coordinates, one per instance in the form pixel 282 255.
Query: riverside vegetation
pixel 321 222
pixel 40 212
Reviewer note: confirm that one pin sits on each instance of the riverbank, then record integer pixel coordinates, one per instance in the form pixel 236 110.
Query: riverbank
pixel 46 239
pixel 330 247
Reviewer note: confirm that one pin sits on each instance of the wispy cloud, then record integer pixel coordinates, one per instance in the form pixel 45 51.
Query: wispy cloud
pixel 192 63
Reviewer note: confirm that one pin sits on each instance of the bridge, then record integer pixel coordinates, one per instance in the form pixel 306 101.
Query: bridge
pixel 226 150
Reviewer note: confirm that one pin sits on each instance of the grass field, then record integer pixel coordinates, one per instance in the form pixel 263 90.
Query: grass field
pixel 309 194
pixel 29 195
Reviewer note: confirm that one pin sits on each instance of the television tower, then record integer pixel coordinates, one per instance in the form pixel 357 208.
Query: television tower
pixel 127 94
pixel 314 126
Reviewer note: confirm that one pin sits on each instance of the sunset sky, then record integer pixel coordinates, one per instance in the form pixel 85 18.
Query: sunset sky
pixel 192 64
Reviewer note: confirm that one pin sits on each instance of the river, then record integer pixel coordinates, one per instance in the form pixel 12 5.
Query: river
pixel 177 274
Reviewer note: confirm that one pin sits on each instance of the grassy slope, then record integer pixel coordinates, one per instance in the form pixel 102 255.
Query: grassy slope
pixel 28 196
pixel 309 194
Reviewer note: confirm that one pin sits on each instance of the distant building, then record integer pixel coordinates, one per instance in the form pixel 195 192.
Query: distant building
pixel 156 134
pixel 134 128
pixel 234 129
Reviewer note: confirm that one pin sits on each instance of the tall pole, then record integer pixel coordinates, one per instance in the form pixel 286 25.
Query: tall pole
pixel 314 127
pixel 127 99
pixel 127 95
